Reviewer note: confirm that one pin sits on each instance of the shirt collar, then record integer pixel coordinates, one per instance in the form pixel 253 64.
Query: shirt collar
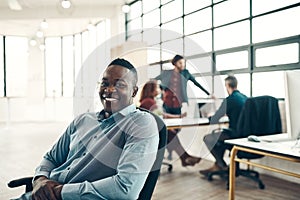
pixel 125 111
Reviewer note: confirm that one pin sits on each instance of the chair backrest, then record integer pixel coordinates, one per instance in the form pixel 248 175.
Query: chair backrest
pixel 147 191
pixel 259 116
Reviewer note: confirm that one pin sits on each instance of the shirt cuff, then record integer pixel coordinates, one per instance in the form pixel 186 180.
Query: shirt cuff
pixel 71 191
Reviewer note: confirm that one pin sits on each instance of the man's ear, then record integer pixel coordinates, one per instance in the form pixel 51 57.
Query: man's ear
pixel 135 90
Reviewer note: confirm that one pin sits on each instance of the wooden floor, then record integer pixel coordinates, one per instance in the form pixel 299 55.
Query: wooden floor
pixel 23 145
pixel 187 183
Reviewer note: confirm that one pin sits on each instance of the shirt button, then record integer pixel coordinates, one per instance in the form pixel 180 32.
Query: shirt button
pixel 95 136
pixel 68 168
pixel 84 154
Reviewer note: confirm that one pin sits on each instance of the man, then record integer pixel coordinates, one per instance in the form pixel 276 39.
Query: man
pixel 174 85
pixel 231 107
pixel 104 155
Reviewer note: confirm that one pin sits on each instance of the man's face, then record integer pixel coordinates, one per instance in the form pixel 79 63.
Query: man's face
pixel 180 64
pixel 117 88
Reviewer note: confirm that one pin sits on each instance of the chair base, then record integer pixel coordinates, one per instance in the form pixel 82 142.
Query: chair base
pixel 250 174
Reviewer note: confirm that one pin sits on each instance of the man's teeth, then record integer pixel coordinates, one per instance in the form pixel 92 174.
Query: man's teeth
pixel 110 99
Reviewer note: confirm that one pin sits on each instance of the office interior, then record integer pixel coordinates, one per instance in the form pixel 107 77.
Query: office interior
pixel 53 52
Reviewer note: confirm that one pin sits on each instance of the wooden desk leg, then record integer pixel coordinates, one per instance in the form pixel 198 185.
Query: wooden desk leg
pixel 232 173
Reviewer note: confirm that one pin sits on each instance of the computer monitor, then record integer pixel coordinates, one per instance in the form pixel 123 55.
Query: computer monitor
pixel 292 103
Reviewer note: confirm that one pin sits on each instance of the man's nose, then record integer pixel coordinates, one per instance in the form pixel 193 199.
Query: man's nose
pixel 110 89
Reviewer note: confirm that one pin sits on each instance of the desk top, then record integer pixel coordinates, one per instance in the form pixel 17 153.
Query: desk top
pixel 279 143
pixel 186 122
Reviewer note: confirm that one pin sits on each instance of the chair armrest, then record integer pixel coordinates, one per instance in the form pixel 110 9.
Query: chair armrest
pixel 27 181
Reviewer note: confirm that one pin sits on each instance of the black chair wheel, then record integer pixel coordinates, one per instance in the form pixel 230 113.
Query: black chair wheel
pixel 170 168
pixel 227 186
pixel 261 186
pixel 209 178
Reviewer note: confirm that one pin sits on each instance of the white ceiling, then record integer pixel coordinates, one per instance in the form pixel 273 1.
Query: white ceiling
pixel 61 21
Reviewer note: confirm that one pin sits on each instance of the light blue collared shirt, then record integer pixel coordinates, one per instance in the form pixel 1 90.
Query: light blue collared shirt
pixel 99 158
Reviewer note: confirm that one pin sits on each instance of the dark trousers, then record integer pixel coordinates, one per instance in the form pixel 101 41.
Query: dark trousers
pixel 217 147
pixel 173 140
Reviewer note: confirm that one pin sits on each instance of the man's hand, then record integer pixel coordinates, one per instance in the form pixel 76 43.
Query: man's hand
pixel 45 189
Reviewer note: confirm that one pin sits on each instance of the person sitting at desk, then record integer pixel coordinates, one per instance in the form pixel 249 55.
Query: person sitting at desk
pixel 232 107
pixel 147 100
pixel 174 86
pixel 102 155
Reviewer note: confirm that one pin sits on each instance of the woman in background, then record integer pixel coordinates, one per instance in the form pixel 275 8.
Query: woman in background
pixel 150 90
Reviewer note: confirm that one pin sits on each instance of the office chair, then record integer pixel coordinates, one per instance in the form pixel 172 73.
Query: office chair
pixel 147 190
pixel 259 116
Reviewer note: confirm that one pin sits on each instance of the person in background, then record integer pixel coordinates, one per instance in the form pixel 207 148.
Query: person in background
pixel 232 107
pixel 174 86
pixel 147 100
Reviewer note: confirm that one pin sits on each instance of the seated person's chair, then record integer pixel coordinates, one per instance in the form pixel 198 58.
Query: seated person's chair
pixel 260 116
pixel 147 191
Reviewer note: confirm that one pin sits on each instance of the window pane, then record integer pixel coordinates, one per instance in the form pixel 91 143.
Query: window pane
pixel 135 24
pixel 198 43
pixel 135 10
pixel 151 36
pixel 136 37
pixel 233 10
pixel 229 61
pixel 198 21
pixel 192 5
pixel 1 68
pixel 199 65
pixel 233 35
pixel 53 66
pixel 276 55
pixel 165 1
pixel 171 11
pixel 172 30
pixel 153 54
pixel 150 5
pixel 268 83
pixel 77 54
pixel 151 19
pixel 243 83
pixel 85 46
pixel 276 25
pixel 16 65
pixel 171 48
pixel 68 66
pixel 259 6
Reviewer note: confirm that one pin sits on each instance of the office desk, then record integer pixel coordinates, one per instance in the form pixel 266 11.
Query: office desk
pixel 185 122
pixel 275 146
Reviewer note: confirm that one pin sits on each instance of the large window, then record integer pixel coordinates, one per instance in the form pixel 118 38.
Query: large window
pixel 251 39
pixel 53 67
pixel 1 68
pixel 68 66
pixel 16 51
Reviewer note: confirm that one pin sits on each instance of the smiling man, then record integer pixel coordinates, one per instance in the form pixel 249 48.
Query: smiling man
pixel 103 155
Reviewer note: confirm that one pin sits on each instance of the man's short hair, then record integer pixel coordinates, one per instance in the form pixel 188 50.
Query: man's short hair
pixel 232 82
pixel 126 64
pixel 176 58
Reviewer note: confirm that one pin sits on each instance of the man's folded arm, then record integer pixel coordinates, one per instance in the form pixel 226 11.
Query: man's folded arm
pixel 136 161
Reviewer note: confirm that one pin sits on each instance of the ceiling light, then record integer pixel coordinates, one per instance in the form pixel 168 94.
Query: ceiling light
pixel 125 8
pixel 14 5
pixel 90 26
pixel 44 24
pixel 66 4
pixel 42 47
pixel 39 34
pixel 32 42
